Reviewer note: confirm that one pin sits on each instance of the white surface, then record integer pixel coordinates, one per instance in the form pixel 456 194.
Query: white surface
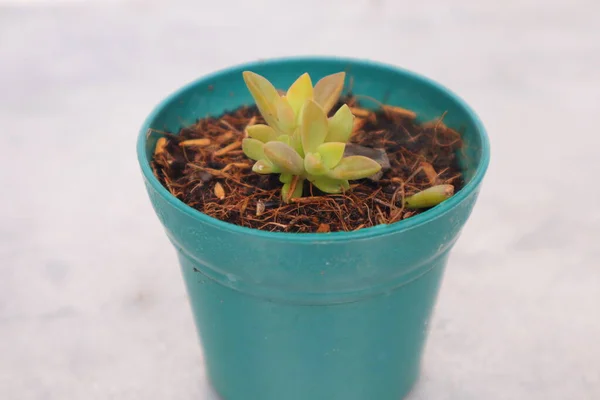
pixel 92 304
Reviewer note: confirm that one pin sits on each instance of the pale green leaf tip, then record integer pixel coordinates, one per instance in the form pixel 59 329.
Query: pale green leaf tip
pixel 328 90
pixel 264 167
pixel 300 91
pixel 250 78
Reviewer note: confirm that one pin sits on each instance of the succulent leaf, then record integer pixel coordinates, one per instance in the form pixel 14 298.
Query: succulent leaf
pixel 300 91
pixel 253 148
pixel 296 142
pixel 285 115
pixel 285 190
pixel 327 91
pixel 331 153
pixel 313 128
pixel 355 167
pixel 285 178
pixel 284 139
pixel 285 157
pixel 340 125
pixel 261 132
pixel 313 164
pixel 328 185
pixel 265 167
pixel 430 197
pixel 265 95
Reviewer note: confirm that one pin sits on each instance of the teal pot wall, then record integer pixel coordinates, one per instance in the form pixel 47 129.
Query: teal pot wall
pixel 284 316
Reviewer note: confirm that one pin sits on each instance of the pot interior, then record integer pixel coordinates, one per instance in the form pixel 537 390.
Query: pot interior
pixel 225 90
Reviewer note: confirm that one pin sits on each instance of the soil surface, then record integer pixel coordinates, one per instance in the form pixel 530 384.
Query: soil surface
pixel 204 166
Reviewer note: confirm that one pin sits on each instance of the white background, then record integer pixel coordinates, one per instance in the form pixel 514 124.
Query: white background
pixel 92 304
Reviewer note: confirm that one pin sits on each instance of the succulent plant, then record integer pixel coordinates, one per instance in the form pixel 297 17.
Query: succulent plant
pixel 299 141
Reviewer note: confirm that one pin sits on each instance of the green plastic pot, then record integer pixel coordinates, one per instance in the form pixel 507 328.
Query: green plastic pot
pixel 320 316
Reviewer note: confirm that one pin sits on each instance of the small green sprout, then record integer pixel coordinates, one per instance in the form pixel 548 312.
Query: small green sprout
pixel 299 141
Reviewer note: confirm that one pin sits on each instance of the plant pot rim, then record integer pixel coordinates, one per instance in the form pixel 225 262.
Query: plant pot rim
pixel 378 230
